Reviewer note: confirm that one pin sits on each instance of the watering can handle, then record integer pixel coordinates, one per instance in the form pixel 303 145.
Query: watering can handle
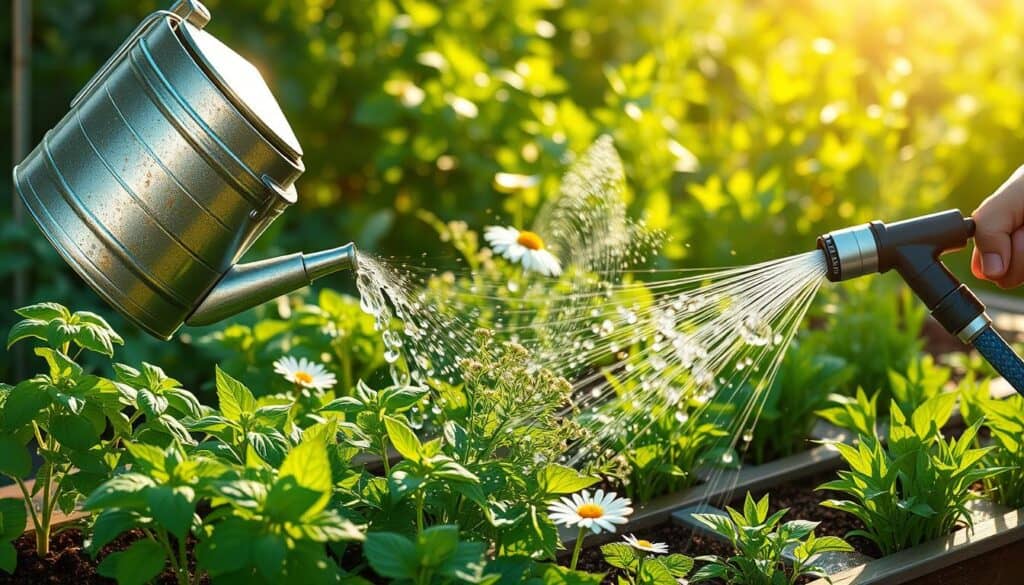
pixel 191 11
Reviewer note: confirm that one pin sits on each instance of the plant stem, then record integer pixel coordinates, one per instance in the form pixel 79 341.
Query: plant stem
pixel 28 502
pixel 578 548
pixel 420 498
pixel 640 567
pixel 384 455
pixel 161 538
pixel 183 562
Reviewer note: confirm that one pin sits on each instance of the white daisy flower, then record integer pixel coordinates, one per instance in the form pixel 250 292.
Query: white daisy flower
pixel 304 373
pixel 645 545
pixel 599 513
pixel 524 247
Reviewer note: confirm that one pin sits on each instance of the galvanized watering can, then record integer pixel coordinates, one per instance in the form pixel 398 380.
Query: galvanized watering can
pixel 170 163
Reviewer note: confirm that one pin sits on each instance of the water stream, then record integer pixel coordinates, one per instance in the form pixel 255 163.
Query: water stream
pixel 634 341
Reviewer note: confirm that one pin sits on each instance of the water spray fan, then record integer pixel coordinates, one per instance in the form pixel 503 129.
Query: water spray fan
pixel 913 247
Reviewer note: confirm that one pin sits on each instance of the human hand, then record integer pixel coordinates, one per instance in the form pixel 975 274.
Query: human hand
pixel 999 234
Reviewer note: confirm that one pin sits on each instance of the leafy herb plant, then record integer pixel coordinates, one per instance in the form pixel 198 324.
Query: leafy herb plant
pixel 759 541
pixel 65 412
pixel 1004 420
pixel 915 486
pixel 639 568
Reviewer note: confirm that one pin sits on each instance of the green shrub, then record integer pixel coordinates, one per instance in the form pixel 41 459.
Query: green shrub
pixel 67 413
pixel 914 486
pixel 759 542
pixel 1004 420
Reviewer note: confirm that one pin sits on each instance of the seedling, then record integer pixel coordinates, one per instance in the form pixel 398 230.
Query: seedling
pixel 759 541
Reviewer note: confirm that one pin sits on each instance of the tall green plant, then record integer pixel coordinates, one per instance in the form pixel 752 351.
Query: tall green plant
pixel 65 412
pixel 1004 420
pixel 915 485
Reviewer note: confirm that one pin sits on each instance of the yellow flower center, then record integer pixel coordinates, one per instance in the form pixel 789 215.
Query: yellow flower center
pixel 590 510
pixel 303 378
pixel 530 240
pixel 644 543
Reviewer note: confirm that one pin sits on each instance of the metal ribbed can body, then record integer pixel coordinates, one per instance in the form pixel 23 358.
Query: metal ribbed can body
pixel 154 184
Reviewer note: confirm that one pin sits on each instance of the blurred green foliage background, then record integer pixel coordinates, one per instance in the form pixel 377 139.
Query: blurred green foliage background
pixel 747 128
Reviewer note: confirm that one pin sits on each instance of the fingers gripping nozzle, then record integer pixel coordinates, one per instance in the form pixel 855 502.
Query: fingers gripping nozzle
pixel 912 247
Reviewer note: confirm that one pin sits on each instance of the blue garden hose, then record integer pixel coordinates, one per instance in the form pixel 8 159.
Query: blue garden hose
pixel 997 352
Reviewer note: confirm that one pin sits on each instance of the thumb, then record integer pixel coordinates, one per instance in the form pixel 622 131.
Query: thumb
pixel 991 253
pixel 996 219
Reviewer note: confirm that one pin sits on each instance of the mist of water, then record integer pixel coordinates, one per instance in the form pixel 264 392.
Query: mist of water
pixel 635 342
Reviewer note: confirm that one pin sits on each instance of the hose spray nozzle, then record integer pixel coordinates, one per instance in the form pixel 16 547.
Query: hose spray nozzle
pixel 912 247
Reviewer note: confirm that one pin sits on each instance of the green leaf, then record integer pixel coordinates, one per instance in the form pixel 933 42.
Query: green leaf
pixel 24 402
pixel 466 564
pixel 269 552
pixel 152 404
pixel 830 544
pixel 437 543
pixel 799 528
pixel 453 471
pixel 619 555
pixel 399 398
pixel 15 460
pixel 137 565
pixel 309 465
pixel 59 332
pixel 109 525
pixel 228 548
pixel 29 328
pixel 13 516
pixel 121 491
pixel 270 446
pixel 95 339
pixel 403 439
pixel 401 483
pixel 655 573
pixel 74 431
pixel 233 397
pixel 8 557
pixel 172 507
pixel 61 366
pixel 559 479
pixel 678 565
pixel 391 555
pixel 327 526
pixel 146 455
pixel 44 311
pixel 287 501
pixel 96 334
pixel 557 575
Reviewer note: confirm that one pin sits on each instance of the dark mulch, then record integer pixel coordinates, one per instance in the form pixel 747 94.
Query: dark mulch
pixel 68 562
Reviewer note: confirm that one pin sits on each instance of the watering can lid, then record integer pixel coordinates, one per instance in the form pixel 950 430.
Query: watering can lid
pixel 242 83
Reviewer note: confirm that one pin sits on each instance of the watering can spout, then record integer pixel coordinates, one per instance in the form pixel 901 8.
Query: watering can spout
pixel 247 285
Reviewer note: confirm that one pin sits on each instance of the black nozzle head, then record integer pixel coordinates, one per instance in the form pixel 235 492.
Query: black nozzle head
pixel 849 252
pixel 833 268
